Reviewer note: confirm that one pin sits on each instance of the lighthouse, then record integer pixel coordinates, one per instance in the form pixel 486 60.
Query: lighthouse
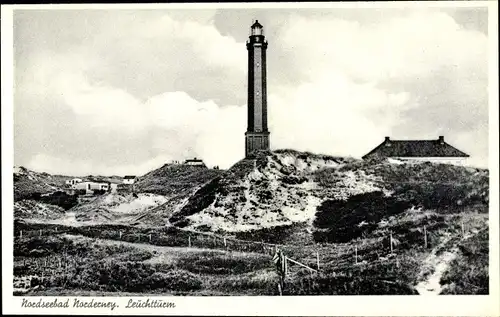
pixel 257 134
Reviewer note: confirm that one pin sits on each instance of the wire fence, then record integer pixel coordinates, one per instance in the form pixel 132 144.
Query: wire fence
pixel 315 258
pixel 357 255
pixel 168 236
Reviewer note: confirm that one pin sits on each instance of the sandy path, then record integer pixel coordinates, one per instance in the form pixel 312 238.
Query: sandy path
pixel 431 285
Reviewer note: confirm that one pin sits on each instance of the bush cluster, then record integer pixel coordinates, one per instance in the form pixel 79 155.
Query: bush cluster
pixel 199 201
pixel 446 197
pixel 468 273
pixel 278 234
pixel 127 276
pixel 341 218
pixel 222 263
pixel 41 246
pixel 178 280
pixel 331 284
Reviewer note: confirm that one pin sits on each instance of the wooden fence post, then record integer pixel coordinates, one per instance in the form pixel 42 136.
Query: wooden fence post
pixel 425 237
pixel 356 253
pixel 225 244
pixel 391 241
pixel 150 237
pixel 189 241
pixel 40 232
pixel 279 289
pixel 120 235
pixel 20 234
pixel 317 259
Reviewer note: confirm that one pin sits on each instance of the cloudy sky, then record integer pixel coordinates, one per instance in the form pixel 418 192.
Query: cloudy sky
pixel 124 91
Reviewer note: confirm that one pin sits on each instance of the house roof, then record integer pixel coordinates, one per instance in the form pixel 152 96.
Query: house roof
pixel 194 160
pixel 129 177
pixel 415 148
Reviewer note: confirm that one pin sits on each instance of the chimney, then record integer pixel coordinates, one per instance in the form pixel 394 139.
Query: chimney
pixel 387 141
pixel 441 139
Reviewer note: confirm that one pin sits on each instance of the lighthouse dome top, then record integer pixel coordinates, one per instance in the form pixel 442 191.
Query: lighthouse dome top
pixel 257 28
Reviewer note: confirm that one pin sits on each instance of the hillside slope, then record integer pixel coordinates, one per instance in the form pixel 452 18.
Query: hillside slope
pixel 28 183
pixel 175 179
pixel 116 208
pixel 30 209
pixel 273 189
pixel 371 227
pixel 175 183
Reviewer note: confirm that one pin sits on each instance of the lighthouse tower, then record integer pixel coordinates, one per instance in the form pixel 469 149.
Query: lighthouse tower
pixel 257 135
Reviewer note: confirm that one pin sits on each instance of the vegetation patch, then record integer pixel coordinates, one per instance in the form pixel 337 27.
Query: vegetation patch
pixel 348 220
pixel 335 284
pixel 468 272
pixel 276 235
pixel 203 198
pixel 223 263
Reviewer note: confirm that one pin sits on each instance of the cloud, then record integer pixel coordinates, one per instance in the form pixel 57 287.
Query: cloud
pixel 402 46
pixel 332 115
pixel 175 87
pixel 414 75
pixel 76 167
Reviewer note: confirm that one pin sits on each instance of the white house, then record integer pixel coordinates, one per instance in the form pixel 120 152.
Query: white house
pixel 91 186
pixel 129 179
pixel 114 187
pixel 73 181
pixel 437 151
pixel 195 162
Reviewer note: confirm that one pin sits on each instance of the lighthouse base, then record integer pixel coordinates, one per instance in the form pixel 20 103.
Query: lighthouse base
pixel 256 141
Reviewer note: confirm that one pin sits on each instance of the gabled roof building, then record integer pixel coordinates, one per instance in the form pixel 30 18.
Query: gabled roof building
pixel 195 162
pixel 129 179
pixel 421 150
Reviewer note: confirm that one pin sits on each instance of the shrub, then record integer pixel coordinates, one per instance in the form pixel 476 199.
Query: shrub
pixel 36 196
pixel 178 280
pixel 278 234
pixel 342 219
pixel 40 246
pixel 137 256
pixel 119 276
pixel 440 196
pixel 262 282
pixel 80 192
pixel 265 195
pixel 199 201
pixel 21 269
pixel 125 276
pixel 468 273
pixel 60 199
pixel 222 263
pixel 331 284
pixel 99 192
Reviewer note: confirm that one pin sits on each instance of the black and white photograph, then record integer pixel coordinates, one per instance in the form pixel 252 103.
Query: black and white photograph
pixel 190 151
